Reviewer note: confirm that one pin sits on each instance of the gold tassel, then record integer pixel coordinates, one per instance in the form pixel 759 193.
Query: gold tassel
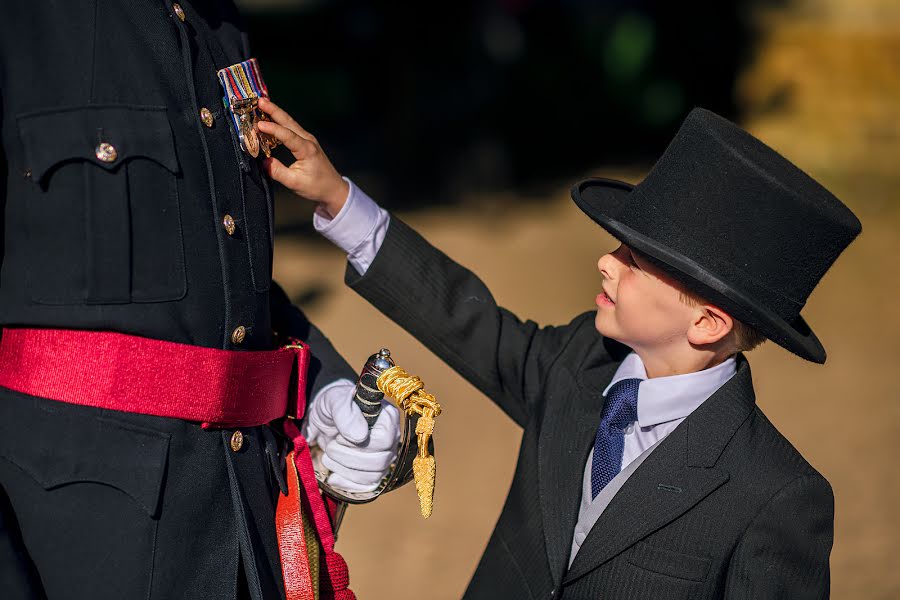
pixel 424 470
pixel 411 397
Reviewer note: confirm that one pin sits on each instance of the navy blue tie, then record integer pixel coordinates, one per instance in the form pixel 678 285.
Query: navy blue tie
pixel 619 411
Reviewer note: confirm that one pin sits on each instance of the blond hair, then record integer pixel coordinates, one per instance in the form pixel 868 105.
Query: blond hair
pixel 746 338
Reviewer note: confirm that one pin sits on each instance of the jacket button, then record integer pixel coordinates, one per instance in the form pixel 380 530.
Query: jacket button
pixel 238 335
pixel 106 152
pixel 179 12
pixel 237 440
pixel 206 116
pixel 229 224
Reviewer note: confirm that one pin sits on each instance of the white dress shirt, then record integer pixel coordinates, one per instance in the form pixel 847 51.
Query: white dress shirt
pixel 663 402
pixel 358 230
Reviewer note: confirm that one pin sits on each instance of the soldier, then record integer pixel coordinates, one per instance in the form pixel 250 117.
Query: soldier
pixel 139 367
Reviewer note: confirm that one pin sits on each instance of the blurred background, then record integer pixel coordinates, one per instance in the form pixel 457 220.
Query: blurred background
pixel 472 119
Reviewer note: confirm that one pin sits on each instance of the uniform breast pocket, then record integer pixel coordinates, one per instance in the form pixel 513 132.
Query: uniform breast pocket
pixel 102 214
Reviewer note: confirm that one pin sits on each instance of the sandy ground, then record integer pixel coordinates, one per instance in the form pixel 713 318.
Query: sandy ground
pixel 539 258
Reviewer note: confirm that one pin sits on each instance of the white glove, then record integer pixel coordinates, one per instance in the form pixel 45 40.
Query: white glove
pixel 357 457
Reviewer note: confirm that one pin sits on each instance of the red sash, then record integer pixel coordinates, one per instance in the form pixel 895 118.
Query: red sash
pixel 218 388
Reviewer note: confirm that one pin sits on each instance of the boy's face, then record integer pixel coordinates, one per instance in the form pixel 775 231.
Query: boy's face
pixel 639 305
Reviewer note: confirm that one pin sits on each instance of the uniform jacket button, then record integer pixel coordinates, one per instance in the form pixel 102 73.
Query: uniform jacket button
pixel 238 335
pixel 207 117
pixel 106 152
pixel 237 440
pixel 179 12
pixel 229 224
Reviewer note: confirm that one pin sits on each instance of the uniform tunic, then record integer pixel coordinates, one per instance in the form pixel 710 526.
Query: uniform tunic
pixel 128 205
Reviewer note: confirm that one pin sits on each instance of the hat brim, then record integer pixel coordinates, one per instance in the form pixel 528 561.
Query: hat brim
pixel 601 200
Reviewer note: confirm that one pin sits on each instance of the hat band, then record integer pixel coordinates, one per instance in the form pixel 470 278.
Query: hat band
pixel 785 308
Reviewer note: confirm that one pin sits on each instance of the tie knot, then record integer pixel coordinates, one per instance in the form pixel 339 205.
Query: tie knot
pixel 621 403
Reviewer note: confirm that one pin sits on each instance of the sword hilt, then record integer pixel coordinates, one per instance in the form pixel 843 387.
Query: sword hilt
pixel 368 397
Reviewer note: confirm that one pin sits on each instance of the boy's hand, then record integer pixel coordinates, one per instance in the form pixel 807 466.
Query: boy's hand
pixel 312 175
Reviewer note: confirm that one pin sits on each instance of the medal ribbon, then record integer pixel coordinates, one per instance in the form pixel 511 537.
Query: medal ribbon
pixel 243 81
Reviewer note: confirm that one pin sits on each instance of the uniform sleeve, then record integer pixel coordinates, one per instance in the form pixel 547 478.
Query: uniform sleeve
pixel 326 365
pixel 785 551
pixel 451 311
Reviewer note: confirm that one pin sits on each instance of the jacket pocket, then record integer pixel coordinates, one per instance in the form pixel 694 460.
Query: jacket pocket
pixel 65 448
pixel 668 562
pixel 102 216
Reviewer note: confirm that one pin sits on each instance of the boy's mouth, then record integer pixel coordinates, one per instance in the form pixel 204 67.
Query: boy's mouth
pixel 603 299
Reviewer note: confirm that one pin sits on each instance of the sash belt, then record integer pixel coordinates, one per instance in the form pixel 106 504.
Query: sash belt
pixel 219 389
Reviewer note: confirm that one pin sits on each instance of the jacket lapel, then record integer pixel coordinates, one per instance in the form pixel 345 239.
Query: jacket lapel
pixel 677 475
pixel 567 434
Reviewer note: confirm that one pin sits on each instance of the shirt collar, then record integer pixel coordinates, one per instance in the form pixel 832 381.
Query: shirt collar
pixel 664 399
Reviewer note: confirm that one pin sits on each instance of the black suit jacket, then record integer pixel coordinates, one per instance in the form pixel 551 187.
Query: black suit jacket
pixel 723 507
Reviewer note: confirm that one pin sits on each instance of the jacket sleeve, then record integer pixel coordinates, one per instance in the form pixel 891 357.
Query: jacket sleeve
pixel 451 311
pixel 784 552
pixel 326 365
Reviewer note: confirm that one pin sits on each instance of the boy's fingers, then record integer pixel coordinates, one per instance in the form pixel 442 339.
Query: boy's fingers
pixel 281 116
pixel 299 147
pixel 276 170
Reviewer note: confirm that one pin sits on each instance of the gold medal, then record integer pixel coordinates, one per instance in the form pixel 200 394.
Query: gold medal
pixel 249 135
pixel 267 140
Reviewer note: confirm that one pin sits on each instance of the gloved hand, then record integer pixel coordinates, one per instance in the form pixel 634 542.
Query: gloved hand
pixel 357 457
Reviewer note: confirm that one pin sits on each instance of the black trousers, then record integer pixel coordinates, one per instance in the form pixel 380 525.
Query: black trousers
pixel 103 504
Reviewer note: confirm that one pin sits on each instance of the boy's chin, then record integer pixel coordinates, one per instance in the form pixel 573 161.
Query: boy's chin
pixel 609 330
pixel 603 327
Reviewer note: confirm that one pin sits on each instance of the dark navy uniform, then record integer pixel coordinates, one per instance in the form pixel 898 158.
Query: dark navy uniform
pixel 129 206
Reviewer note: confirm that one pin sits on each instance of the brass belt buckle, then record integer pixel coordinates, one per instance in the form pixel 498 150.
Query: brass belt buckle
pixel 292 344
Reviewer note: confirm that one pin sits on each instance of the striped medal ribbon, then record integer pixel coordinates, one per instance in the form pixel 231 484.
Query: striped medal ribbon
pixel 243 86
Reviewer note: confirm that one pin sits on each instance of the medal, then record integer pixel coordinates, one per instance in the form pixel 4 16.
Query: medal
pixel 243 86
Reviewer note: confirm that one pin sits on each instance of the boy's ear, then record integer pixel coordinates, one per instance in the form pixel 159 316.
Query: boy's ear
pixel 709 325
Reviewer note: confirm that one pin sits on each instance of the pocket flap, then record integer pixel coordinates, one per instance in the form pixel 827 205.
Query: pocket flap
pixel 57 451
pixel 50 137
pixel 668 562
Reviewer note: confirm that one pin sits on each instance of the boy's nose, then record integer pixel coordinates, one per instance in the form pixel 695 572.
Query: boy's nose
pixel 610 263
pixel 606 265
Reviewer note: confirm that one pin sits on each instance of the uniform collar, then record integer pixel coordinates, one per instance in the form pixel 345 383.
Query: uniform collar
pixel 664 399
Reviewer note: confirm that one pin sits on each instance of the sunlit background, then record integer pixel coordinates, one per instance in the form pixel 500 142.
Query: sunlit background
pixel 472 119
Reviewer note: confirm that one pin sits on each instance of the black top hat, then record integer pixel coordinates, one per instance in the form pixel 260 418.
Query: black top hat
pixel 735 222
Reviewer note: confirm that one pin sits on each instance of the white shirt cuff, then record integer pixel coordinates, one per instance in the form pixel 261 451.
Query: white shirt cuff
pixel 358 229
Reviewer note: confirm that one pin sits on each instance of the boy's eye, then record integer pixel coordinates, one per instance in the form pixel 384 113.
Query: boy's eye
pixel 632 260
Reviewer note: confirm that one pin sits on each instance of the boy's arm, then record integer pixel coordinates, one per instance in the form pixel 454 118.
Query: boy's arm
pixel 446 306
pixel 443 304
pixel 784 552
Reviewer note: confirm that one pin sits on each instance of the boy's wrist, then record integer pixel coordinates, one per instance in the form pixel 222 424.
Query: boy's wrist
pixel 333 201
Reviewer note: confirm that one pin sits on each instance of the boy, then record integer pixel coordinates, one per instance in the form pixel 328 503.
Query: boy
pixel 646 469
